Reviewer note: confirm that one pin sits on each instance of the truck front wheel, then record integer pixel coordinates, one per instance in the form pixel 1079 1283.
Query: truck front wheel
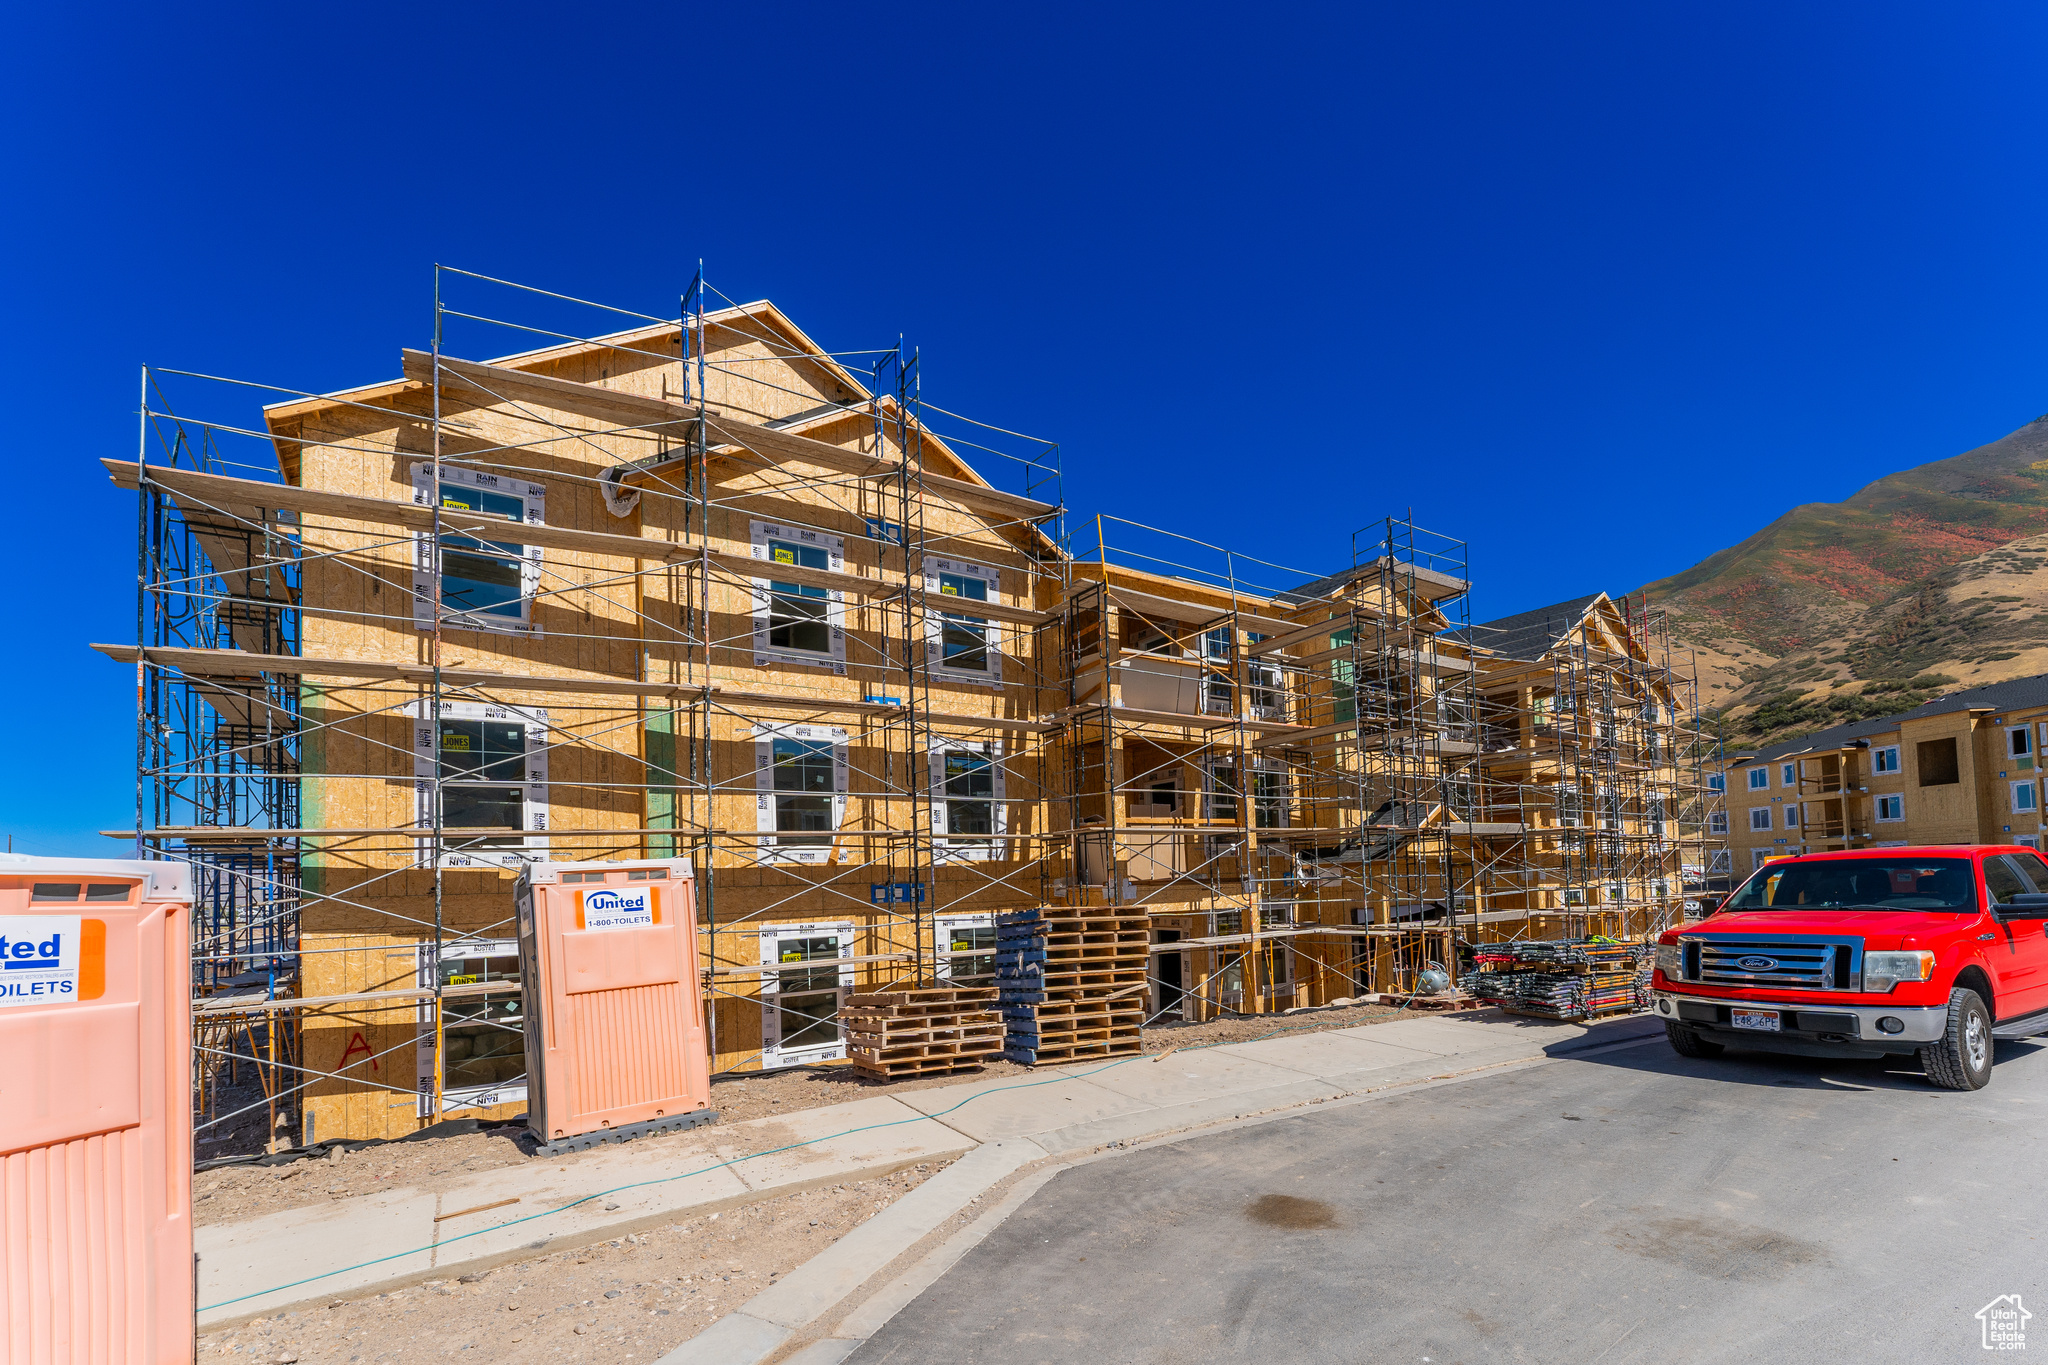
pixel 1962 1059
pixel 1688 1043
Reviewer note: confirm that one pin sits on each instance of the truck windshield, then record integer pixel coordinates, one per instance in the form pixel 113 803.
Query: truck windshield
pixel 1861 884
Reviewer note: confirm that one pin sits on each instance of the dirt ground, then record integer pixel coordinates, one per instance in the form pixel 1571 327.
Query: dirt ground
pixel 630 1299
pixel 229 1194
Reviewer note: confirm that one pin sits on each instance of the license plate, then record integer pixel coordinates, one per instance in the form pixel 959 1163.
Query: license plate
pixel 1766 1020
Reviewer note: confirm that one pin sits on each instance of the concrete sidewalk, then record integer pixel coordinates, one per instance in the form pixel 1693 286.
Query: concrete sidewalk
pixel 396 1236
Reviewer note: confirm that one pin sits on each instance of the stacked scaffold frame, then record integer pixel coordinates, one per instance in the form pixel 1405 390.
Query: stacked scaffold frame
pixel 922 1030
pixel 1072 981
pixel 1561 978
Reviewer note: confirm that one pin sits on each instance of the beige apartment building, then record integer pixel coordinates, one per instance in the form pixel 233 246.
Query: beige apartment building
pixel 1959 770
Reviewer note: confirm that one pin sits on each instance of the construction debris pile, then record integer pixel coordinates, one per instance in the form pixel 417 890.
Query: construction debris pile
pixel 922 1030
pixel 1563 978
pixel 1072 982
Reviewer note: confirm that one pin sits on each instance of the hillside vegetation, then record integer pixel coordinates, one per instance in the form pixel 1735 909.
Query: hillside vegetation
pixel 1923 581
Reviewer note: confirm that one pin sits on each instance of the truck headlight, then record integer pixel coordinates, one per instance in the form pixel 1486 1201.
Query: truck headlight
pixel 1668 959
pixel 1882 971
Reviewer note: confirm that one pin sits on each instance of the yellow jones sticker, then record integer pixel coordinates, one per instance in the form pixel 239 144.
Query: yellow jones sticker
pixel 949 590
pixel 785 556
pixel 455 743
pixel 792 955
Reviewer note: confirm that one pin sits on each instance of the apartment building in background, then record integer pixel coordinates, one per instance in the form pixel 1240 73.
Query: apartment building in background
pixel 1962 769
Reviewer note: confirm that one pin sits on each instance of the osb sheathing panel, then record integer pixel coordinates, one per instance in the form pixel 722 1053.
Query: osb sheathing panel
pixel 598 619
pixel 376 1038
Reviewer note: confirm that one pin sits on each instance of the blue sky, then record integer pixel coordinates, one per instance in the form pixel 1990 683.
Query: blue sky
pixel 1598 288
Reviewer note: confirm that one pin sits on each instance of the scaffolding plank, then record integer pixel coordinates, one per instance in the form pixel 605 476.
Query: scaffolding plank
pixel 1191 613
pixel 234 663
pixel 251 496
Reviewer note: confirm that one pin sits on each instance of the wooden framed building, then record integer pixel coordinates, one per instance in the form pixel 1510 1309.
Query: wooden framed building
pixel 700 588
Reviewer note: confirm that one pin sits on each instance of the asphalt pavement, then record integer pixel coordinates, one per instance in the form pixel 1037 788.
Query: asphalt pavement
pixel 1626 1206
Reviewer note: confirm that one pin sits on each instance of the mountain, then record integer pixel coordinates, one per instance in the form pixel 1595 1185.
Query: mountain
pixel 1923 580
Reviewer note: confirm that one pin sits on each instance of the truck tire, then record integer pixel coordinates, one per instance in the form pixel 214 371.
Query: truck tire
pixel 1688 1043
pixel 1962 1059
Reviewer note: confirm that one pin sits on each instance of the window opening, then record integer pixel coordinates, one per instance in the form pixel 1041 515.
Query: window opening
pixel 975 934
pixel 488 579
pixel 1937 762
pixel 493 775
pixel 798 623
pixel 800 1005
pixel 959 644
pixel 967 792
pixel 800 790
pixel 484 1035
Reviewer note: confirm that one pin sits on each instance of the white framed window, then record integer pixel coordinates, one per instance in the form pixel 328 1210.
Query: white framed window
pixel 974 934
pixel 959 645
pixel 1891 807
pixel 2027 840
pixel 1885 760
pixel 1792 815
pixel 1717 782
pixel 2023 798
pixel 2019 742
pixel 1756 858
pixel 1788 774
pixel 484 1035
pixel 799 790
pixel 488 577
pixel 798 623
pixel 1759 817
pixel 1659 804
pixel 1718 863
pixel 802 999
pixel 1759 779
pixel 493 775
pixel 1216 674
pixel 1269 701
pixel 1224 787
pixel 1717 822
pixel 967 800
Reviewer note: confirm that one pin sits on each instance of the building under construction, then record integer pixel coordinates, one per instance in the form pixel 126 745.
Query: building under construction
pixel 697 587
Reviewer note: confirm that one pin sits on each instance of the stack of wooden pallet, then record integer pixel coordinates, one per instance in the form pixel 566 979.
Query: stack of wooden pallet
pixel 1073 982
pixel 921 1030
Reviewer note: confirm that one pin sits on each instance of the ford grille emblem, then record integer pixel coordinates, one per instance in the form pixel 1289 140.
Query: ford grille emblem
pixel 1757 964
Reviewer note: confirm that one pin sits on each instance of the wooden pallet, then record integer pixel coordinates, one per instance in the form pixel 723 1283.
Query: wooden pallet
pixel 1435 1004
pixel 1054 1053
pixel 921 1030
pixel 1072 981
pixel 928 1066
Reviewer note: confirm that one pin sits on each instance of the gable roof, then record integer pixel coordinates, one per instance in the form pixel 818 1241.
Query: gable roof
pixel 2014 694
pixel 1530 635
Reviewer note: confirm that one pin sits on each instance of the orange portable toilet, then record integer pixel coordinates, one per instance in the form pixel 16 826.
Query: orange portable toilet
pixel 614 1022
pixel 95 1111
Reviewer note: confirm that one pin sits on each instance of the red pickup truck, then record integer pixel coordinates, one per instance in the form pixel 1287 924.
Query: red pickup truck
pixel 1935 951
